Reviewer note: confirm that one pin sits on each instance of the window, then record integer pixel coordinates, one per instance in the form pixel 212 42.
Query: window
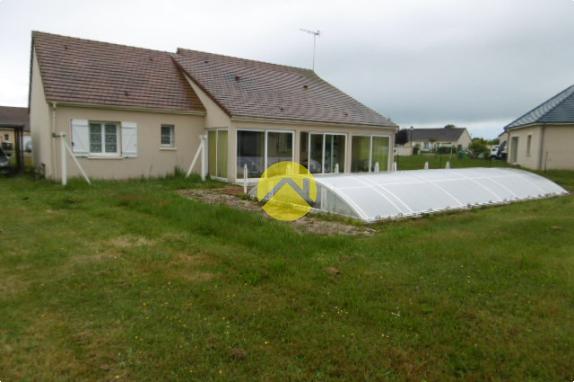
pixel 217 153
pixel 6 137
pixel 367 152
pixel 528 145
pixel 167 135
pixel 323 153
pixel 104 138
pixel 258 150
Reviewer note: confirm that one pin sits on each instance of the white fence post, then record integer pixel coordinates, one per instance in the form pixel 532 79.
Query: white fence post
pixel 447 164
pixel 204 157
pixel 336 168
pixel 427 165
pixel 394 166
pixel 245 176
pixel 201 152
pixel 377 168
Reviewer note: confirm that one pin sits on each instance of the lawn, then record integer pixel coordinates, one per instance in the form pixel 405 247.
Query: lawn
pixel 417 162
pixel 130 281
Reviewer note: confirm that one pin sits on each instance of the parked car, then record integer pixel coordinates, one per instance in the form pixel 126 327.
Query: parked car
pixel 4 162
pixel 494 152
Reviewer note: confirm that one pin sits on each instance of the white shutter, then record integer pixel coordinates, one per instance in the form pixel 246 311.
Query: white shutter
pixel 80 137
pixel 129 139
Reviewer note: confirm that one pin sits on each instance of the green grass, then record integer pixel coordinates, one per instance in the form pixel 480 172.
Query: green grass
pixel 417 162
pixel 129 281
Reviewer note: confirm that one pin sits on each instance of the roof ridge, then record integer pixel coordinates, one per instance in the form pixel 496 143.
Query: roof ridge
pixel 571 87
pixel 36 33
pixel 243 59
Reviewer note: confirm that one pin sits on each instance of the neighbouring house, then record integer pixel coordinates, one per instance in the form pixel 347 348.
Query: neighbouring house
pixel 14 130
pixel 131 112
pixel 431 139
pixel 543 138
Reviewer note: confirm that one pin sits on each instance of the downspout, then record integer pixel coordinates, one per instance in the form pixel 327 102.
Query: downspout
pixel 52 131
pixel 541 161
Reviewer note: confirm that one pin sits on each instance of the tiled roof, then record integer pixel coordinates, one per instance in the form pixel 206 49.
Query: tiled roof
pixel 558 109
pixel 443 134
pixel 14 116
pixel 249 88
pixel 90 72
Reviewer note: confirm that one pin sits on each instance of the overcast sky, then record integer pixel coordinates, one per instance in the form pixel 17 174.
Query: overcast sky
pixel 475 63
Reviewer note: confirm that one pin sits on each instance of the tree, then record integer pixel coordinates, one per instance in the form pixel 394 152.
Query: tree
pixel 479 148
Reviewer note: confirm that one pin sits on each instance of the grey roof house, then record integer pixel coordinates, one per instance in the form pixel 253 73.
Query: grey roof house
pixel 131 112
pixel 432 138
pixel 14 127
pixel 543 138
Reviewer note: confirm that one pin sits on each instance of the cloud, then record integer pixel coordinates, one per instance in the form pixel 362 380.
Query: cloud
pixel 420 62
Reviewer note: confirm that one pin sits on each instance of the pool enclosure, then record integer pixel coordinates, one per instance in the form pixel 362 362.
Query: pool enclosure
pixel 393 195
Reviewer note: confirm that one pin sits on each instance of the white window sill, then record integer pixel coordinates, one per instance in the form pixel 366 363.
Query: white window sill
pixel 167 148
pixel 92 156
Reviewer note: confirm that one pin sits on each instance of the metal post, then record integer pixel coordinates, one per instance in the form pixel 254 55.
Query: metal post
pixel 245 176
pixel 63 159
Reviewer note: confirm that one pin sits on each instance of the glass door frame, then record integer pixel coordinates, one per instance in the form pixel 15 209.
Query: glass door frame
pixel 217 130
pixel 324 134
pixel 371 136
pixel 265 139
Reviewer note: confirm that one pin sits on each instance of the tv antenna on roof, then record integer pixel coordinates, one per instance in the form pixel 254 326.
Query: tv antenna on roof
pixel 315 34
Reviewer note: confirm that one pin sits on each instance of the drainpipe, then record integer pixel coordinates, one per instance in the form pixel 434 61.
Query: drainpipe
pixel 541 161
pixel 52 132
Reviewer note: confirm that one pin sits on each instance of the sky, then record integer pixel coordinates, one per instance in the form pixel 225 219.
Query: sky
pixel 423 63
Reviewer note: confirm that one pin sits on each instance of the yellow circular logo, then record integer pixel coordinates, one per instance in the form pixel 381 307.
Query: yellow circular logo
pixel 288 191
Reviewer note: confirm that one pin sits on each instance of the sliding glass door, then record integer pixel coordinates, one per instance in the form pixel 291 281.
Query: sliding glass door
pixel 257 150
pixel 334 153
pixel 217 153
pixel 279 147
pixel 323 153
pixel 369 153
pixel 380 153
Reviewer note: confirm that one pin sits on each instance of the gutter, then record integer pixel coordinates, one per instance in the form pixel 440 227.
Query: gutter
pixel 131 108
pixel 313 123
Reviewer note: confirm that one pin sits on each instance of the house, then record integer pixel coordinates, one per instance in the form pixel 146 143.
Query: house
pixel 543 138
pixel 14 130
pixel 130 112
pixel 432 139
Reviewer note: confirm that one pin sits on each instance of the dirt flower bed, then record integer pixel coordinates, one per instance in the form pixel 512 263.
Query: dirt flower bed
pixel 233 196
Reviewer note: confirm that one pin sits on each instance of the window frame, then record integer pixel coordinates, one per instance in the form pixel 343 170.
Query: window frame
pixel 171 128
pixel 371 136
pixel 324 134
pixel 265 143
pixel 216 131
pixel 103 125
pixel 529 145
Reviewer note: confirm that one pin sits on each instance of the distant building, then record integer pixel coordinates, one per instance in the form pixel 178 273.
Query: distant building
pixel 543 138
pixel 431 139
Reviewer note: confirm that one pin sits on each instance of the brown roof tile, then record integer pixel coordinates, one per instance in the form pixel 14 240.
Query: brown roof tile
pixel 262 90
pixel 90 72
